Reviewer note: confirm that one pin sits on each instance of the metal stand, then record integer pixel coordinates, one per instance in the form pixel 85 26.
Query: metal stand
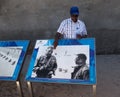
pixel 94 90
pixel 19 88
pixel 30 89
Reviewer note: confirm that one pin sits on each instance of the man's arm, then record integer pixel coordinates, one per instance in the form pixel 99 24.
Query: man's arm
pixel 79 36
pixel 57 37
pixel 83 34
pixel 86 75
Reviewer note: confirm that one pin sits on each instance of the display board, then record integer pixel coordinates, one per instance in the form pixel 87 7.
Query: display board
pixel 73 62
pixel 12 54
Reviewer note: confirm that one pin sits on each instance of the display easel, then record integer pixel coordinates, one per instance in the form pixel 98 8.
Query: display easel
pixel 14 51
pixel 88 50
pixel 30 88
pixel 19 87
pixel 18 82
pixel 94 90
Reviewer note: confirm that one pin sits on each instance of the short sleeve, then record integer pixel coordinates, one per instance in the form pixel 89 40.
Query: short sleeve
pixel 61 27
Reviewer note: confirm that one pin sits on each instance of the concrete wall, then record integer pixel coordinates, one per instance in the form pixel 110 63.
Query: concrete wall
pixel 39 19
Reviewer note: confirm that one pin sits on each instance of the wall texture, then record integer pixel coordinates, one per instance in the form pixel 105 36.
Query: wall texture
pixel 39 19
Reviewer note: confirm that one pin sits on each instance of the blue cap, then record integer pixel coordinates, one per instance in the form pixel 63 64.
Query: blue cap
pixel 74 10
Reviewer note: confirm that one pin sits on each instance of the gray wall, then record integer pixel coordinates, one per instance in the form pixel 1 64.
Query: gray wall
pixel 39 19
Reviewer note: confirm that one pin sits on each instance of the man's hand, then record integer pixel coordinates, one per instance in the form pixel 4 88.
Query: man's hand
pixel 51 72
pixel 35 69
pixel 79 36
pixel 55 44
pixel 57 37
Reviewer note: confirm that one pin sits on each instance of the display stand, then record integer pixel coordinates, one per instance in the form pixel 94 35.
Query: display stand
pixel 30 88
pixel 67 53
pixel 12 55
pixel 18 82
pixel 94 90
pixel 19 87
pixel 29 84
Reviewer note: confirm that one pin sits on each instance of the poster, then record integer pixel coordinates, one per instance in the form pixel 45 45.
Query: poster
pixel 12 54
pixel 73 61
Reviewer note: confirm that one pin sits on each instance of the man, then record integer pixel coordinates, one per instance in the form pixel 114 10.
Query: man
pixel 71 28
pixel 46 65
pixel 81 71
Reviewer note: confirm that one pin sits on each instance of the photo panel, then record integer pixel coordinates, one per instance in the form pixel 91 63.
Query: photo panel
pixel 12 54
pixel 73 61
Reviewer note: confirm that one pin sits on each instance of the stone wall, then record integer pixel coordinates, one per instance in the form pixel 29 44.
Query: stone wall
pixel 39 19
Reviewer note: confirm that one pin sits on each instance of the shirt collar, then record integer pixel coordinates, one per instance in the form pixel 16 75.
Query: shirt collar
pixel 72 20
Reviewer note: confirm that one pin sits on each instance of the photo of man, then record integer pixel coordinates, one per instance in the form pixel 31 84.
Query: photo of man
pixel 46 65
pixel 81 71
pixel 56 63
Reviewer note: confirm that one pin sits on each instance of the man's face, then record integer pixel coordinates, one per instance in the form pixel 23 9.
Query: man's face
pixel 49 52
pixel 74 18
pixel 80 61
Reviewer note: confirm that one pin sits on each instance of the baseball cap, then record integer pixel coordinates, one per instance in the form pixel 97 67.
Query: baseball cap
pixel 74 10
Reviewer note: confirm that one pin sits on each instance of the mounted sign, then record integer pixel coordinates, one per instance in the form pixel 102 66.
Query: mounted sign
pixel 12 54
pixel 73 61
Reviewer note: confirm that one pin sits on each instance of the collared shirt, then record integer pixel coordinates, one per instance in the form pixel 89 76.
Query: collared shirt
pixel 70 29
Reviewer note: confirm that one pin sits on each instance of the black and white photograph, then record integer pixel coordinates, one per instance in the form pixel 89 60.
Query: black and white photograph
pixel 73 61
pixel 46 64
pixel 66 62
pixel 8 59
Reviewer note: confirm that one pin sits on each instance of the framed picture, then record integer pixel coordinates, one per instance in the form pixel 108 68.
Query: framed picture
pixel 12 54
pixel 72 62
